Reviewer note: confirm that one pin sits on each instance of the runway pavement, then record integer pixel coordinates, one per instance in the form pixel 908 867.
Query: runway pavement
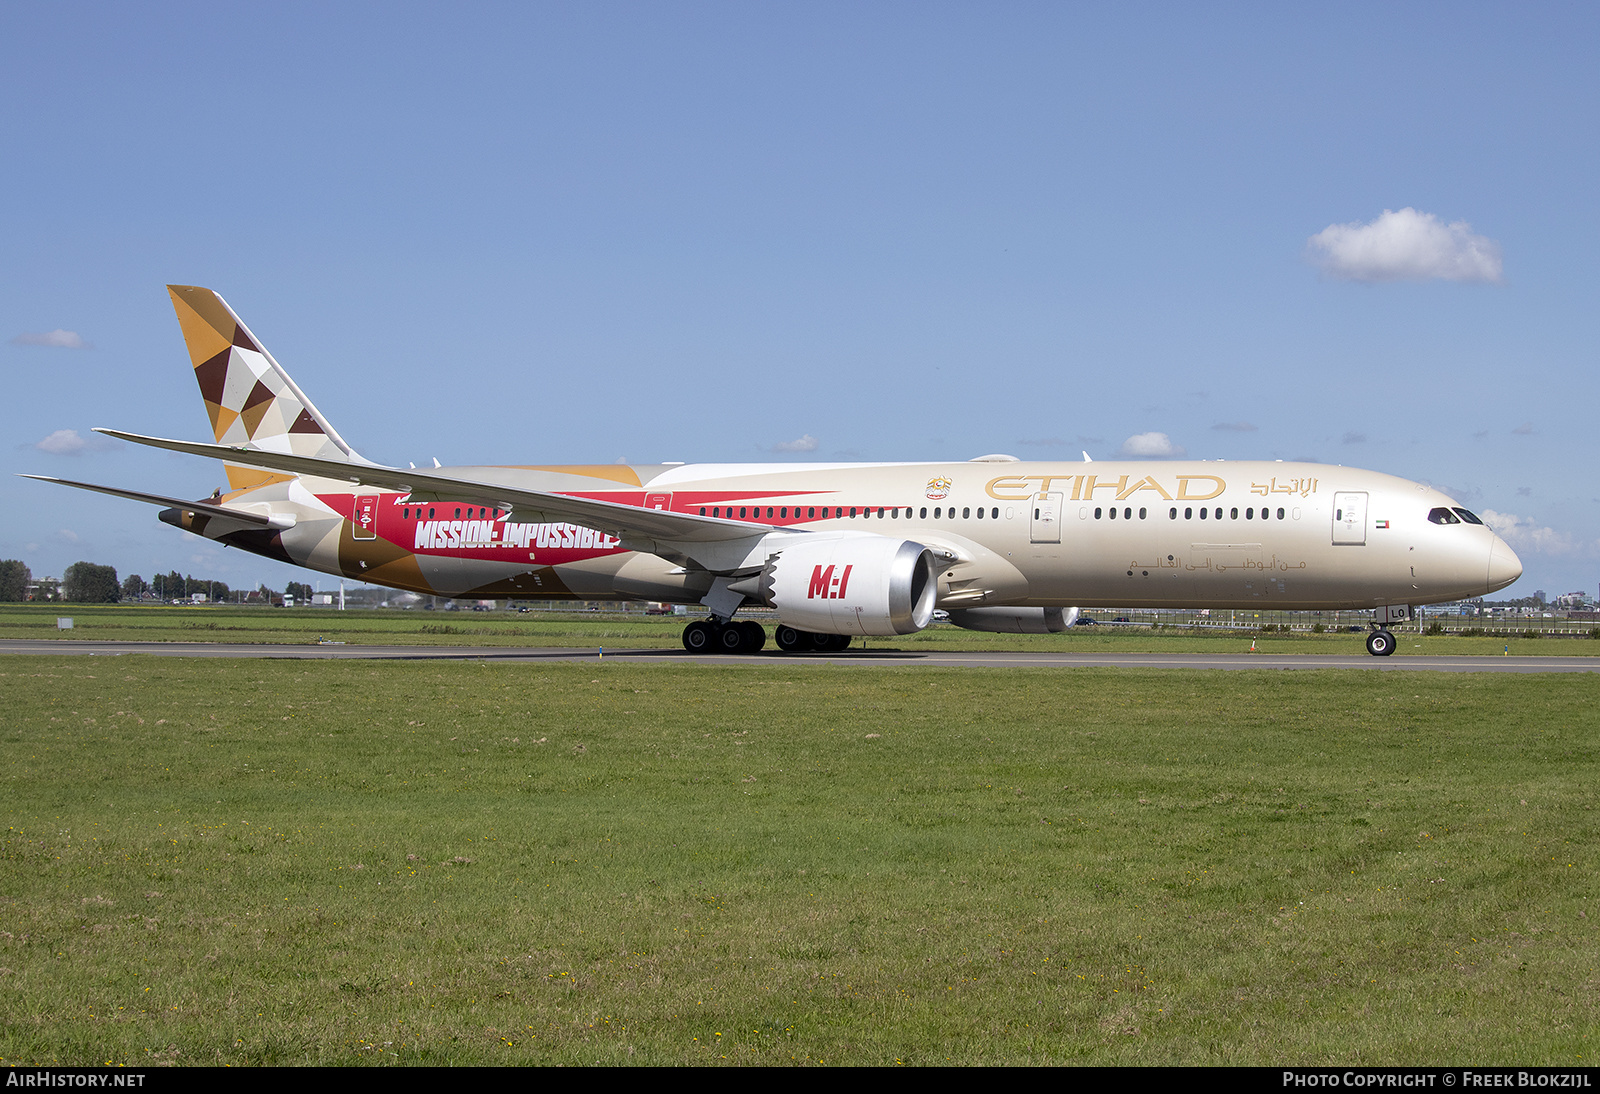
pixel 878 658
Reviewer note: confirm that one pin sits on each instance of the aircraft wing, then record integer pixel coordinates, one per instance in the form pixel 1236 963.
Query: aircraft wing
pixel 244 516
pixel 638 528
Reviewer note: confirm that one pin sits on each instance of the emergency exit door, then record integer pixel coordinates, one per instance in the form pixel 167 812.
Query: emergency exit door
pixel 366 517
pixel 1350 519
pixel 1046 523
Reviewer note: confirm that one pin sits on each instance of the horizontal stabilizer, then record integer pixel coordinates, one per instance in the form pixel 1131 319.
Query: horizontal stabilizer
pixel 210 509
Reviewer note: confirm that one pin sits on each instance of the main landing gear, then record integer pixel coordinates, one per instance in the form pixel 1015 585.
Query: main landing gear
pixel 1380 642
pixel 748 636
pixel 709 636
pixel 792 641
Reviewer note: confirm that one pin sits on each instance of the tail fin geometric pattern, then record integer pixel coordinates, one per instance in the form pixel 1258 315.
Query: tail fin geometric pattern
pixel 251 400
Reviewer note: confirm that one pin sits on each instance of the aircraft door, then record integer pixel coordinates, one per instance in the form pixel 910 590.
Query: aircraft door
pixel 1047 518
pixel 658 501
pixel 366 517
pixel 1350 519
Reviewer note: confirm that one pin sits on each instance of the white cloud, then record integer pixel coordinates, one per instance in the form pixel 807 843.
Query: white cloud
pixel 1405 246
pixel 1524 535
pixel 806 443
pixel 1147 445
pixel 1235 427
pixel 69 442
pixel 67 535
pixel 60 339
pixel 63 442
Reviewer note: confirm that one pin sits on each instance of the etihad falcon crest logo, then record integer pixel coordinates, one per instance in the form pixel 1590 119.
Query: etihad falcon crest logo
pixel 938 488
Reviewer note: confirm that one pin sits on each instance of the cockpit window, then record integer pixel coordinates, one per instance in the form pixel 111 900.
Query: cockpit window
pixel 1468 517
pixel 1442 515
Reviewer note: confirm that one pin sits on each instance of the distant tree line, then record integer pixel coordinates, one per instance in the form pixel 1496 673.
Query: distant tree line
pixel 14 580
pixel 1534 601
pixel 176 586
pixel 86 583
pixel 89 583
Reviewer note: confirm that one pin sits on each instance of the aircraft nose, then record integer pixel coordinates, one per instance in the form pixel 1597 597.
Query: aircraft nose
pixel 1504 565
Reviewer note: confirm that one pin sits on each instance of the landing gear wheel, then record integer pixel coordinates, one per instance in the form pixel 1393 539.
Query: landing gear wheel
pixel 700 637
pixel 734 639
pixel 1380 643
pixel 755 636
pixel 831 643
pixel 790 640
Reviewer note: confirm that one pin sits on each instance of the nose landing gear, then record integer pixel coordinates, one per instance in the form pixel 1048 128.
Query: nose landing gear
pixel 1380 642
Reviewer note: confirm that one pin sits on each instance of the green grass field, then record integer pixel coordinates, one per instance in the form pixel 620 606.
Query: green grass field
pixel 342 862
pixel 165 623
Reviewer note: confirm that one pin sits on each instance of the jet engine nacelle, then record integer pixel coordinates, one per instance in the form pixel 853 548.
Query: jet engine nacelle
pixel 853 583
pixel 1015 620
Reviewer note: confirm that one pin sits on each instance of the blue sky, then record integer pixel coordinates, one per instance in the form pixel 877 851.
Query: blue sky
pixel 705 232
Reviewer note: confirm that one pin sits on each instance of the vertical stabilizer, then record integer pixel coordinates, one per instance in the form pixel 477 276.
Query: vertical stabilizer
pixel 250 399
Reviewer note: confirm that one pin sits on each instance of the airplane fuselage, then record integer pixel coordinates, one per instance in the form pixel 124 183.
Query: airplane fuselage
pixel 1206 534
